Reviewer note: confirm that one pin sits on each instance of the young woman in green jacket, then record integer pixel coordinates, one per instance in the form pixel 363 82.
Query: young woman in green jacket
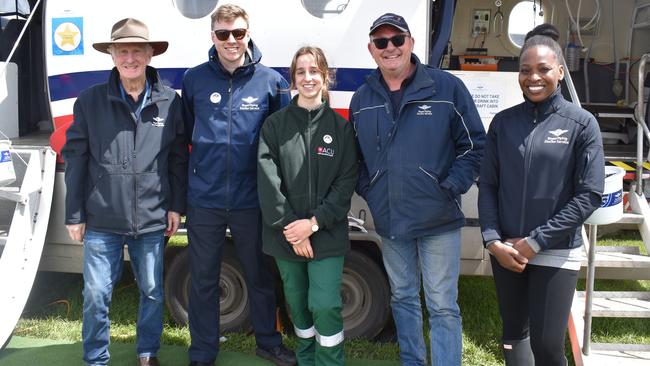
pixel 307 171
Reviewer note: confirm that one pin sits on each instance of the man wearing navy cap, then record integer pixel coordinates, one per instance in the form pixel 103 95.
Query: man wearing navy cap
pixel 421 140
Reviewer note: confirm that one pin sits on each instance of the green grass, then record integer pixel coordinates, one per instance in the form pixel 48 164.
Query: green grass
pixel 623 238
pixel 54 312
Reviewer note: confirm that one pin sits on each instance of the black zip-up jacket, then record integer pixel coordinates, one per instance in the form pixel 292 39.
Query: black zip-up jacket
pixel 124 173
pixel 307 167
pixel 542 173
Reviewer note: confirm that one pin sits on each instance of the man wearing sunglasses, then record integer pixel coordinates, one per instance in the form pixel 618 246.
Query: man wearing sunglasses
pixel 421 142
pixel 225 101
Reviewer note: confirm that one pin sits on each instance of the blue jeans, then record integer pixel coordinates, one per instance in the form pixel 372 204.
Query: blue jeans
pixel 103 263
pixel 437 259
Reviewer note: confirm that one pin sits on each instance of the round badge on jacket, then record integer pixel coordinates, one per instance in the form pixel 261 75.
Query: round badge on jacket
pixel 327 139
pixel 215 97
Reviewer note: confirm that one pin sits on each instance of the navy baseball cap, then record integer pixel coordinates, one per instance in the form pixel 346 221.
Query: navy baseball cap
pixel 391 19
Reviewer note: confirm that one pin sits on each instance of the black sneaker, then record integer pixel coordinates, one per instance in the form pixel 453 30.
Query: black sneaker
pixel 279 355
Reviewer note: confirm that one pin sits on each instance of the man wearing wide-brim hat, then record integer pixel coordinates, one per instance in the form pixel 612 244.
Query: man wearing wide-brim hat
pixel 125 174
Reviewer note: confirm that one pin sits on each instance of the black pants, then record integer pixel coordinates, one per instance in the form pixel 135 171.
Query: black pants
pixel 536 303
pixel 206 232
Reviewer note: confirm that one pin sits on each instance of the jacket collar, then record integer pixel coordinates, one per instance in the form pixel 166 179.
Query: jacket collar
pixel 315 114
pixel 421 82
pixel 548 105
pixel 253 56
pixel 157 87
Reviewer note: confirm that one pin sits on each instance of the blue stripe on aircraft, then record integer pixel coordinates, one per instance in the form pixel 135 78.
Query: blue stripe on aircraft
pixel 66 86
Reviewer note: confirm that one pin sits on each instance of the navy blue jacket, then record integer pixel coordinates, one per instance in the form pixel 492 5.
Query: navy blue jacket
pixel 542 174
pixel 124 172
pixel 416 166
pixel 224 113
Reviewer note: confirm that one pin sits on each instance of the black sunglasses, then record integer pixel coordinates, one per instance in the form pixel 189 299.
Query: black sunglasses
pixel 224 34
pixel 397 41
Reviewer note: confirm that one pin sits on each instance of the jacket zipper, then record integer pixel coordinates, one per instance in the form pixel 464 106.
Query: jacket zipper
pixel 134 210
pixel 527 161
pixel 229 145
pixel 138 120
pixel 309 159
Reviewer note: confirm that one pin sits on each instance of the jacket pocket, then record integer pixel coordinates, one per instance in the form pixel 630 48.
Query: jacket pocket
pixel 428 201
pixel 436 184
pixel 377 198
pixel 374 178
pixel 109 203
pixel 152 200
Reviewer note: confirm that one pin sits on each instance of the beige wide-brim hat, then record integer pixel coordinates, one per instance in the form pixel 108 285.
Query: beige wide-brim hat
pixel 131 30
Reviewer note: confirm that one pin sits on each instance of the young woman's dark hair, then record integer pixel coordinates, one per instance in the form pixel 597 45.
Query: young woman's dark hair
pixel 543 35
pixel 545 29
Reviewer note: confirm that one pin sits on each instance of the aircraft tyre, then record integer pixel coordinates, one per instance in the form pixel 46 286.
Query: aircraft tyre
pixel 366 296
pixel 235 311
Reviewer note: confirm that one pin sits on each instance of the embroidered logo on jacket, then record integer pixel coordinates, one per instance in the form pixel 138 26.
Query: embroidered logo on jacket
pixel 557 137
pixel 249 104
pixel 327 139
pixel 424 110
pixel 325 151
pixel 158 122
pixel 215 98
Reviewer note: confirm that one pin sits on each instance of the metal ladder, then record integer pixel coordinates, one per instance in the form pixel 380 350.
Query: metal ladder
pixel 616 262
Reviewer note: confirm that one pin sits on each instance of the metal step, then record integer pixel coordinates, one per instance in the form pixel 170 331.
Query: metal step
pixel 619 265
pixel 601 353
pixel 621 347
pixel 615 358
pixel 630 218
pixel 619 304
pixel 618 249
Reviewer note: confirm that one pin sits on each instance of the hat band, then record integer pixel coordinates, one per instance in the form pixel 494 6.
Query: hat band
pixel 118 38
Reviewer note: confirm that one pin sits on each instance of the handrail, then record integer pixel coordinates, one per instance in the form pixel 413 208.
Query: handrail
pixel 638 111
pixel 20 36
pixel 640 119
pixel 569 83
pixel 642 128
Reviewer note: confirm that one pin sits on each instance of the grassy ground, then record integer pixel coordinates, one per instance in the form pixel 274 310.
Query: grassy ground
pixel 54 312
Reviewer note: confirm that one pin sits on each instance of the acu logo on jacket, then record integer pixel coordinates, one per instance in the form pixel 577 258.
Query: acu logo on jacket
pixel 326 151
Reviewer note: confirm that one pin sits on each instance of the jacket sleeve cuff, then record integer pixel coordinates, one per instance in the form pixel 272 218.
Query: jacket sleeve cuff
pixel 449 185
pixel 180 208
pixel 75 221
pixel 489 236
pixel 535 238
pixel 487 245
pixel 534 245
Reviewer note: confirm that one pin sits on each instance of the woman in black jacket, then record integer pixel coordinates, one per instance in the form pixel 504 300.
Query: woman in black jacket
pixel 307 171
pixel 542 175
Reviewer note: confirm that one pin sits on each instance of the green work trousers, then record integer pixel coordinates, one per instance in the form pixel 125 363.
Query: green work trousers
pixel 313 291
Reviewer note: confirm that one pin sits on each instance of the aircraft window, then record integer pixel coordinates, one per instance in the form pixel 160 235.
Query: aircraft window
pixel 195 9
pixel 524 16
pixel 325 8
